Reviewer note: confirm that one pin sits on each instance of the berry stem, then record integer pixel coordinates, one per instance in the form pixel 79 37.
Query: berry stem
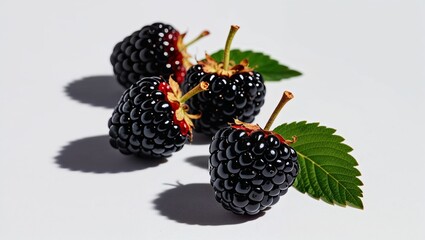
pixel 202 86
pixel 226 60
pixel 202 35
pixel 285 98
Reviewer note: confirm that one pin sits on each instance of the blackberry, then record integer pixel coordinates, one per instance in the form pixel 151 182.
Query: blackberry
pixel 154 50
pixel 250 167
pixel 236 92
pixel 239 96
pixel 151 118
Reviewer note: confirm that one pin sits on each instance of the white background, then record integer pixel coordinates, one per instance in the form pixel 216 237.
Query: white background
pixel 363 64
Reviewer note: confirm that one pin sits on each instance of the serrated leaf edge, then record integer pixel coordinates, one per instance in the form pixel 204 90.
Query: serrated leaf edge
pixel 337 181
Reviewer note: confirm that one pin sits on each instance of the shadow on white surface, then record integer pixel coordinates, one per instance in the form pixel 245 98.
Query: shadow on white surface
pixel 94 154
pixel 200 139
pixel 195 204
pixel 199 161
pixel 98 91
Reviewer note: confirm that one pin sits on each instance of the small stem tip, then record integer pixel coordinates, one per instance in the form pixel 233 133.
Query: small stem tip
pixel 203 34
pixel 285 98
pixel 232 32
pixel 202 86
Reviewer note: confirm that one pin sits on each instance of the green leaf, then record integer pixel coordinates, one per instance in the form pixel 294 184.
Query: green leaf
pixel 269 68
pixel 327 170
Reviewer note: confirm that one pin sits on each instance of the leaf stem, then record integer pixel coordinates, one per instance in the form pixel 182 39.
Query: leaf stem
pixel 202 86
pixel 232 32
pixel 285 98
pixel 202 35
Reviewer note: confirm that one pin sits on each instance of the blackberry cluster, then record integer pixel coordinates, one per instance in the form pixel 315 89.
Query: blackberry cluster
pixel 151 51
pixel 142 122
pixel 239 96
pixel 250 170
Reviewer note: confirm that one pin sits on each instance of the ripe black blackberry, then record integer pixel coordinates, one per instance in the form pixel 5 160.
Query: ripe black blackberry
pixel 236 91
pixel 154 50
pixel 250 167
pixel 151 118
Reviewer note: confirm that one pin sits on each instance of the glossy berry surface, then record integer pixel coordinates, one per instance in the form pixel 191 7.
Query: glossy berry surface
pixel 250 170
pixel 143 121
pixel 151 51
pixel 237 97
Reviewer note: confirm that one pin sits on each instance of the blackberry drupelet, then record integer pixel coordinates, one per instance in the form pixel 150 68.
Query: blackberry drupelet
pixel 236 92
pixel 250 167
pixel 154 50
pixel 151 118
